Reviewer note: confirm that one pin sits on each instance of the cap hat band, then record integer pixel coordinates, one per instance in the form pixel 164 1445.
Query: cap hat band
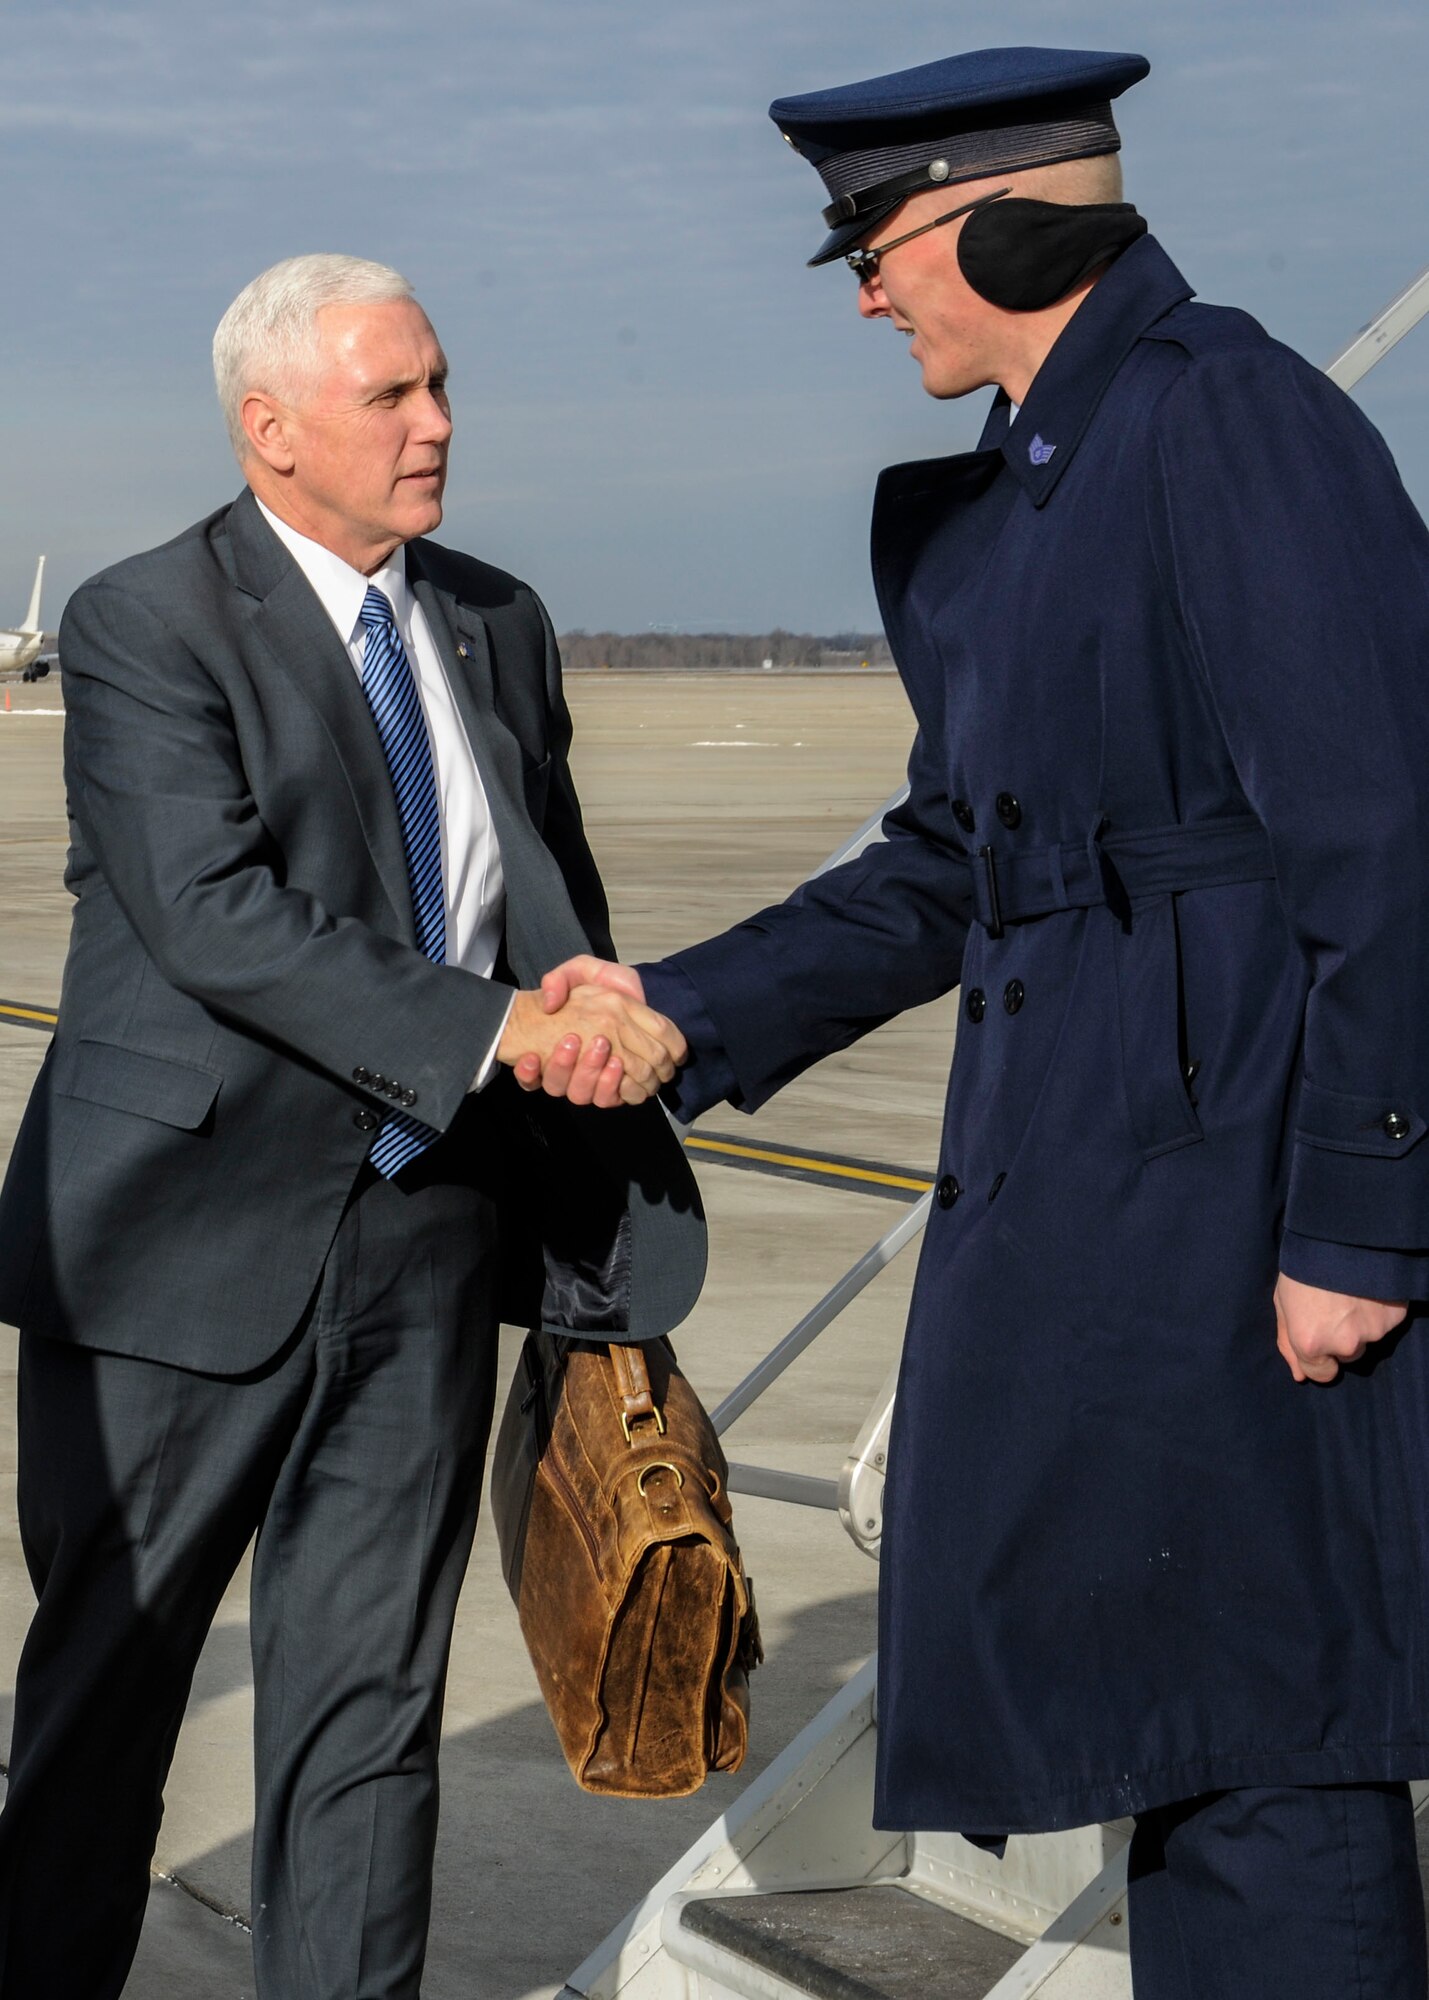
pixel 849 207
pixel 865 182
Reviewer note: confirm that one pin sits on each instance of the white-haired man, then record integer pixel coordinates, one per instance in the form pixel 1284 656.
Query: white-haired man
pixel 264 1213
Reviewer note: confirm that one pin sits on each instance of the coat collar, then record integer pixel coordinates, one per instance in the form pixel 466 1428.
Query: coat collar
pixel 340 588
pixel 1139 289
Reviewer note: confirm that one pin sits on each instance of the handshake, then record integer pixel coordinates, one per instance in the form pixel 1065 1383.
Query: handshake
pixel 588 1036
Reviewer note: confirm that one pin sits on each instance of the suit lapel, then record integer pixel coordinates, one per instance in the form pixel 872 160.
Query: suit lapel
pixel 299 637
pixel 541 925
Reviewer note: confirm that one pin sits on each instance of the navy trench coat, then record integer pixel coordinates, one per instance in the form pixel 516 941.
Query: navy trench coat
pixel 1167 639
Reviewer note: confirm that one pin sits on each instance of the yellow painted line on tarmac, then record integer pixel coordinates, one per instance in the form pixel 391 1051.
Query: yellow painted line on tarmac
pixel 806 1163
pixel 34 1017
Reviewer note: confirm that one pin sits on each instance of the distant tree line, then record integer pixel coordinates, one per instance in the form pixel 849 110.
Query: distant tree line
pixel 729 652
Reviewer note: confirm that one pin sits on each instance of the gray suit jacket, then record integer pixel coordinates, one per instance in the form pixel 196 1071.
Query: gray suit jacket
pixel 243 954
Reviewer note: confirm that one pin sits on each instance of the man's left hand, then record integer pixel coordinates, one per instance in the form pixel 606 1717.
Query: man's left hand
pixel 1317 1330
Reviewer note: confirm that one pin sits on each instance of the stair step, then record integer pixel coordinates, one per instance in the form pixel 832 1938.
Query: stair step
pixel 878 1943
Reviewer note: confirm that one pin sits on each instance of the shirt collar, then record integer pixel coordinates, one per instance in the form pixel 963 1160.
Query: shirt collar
pixel 340 588
pixel 1140 288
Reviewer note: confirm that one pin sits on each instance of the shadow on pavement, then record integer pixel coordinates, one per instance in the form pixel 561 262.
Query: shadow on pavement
pixel 532 1872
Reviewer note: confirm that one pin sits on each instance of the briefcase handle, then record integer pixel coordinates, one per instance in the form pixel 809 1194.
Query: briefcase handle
pixel 632 1385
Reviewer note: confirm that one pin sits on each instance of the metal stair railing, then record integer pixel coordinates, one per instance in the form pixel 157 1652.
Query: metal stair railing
pixel 1385 330
pixel 798 1487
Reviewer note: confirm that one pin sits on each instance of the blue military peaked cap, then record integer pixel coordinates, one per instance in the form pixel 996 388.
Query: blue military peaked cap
pixel 993 111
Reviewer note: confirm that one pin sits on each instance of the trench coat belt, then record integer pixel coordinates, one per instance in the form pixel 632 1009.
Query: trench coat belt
pixel 1116 869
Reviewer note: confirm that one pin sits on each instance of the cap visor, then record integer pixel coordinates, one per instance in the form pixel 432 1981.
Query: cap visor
pixel 849 234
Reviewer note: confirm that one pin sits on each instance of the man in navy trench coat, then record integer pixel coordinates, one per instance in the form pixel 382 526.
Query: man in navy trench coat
pixel 1149 1550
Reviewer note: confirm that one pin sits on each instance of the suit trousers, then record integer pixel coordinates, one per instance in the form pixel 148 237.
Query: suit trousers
pixel 1286 1893
pixel 355 1458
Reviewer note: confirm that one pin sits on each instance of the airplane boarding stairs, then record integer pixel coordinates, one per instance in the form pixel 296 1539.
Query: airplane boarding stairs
pixel 792 1894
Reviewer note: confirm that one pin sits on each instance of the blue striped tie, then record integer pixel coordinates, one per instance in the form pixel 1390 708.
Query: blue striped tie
pixel 391 691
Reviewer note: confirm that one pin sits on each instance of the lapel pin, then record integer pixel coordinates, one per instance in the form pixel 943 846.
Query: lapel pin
pixel 463 651
pixel 1039 453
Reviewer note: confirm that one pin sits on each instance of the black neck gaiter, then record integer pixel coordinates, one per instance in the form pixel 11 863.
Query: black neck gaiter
pixel 1025 255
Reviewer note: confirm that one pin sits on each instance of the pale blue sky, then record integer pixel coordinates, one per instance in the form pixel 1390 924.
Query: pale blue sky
pixel 663 418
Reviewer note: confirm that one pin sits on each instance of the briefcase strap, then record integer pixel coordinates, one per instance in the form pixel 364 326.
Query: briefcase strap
pixel 632 1385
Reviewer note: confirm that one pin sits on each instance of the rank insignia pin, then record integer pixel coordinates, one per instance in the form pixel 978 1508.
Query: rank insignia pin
pixel 1039 453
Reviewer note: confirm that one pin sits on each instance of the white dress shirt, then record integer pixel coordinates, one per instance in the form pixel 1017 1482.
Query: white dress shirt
pixel 472 881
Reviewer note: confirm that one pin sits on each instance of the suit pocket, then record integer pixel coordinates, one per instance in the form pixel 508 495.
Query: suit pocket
pixel 174 1093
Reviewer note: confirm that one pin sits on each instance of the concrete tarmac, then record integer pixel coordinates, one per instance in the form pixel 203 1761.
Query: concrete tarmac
pixel 706 797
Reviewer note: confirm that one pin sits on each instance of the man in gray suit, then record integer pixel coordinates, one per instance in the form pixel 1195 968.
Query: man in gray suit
pixel 276 1185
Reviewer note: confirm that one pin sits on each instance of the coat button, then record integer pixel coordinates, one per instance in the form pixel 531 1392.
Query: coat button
pixel 1396 1127
pixel 1013 995
pixel 377 1080
pixel 996 1189
pixel 1008 810
pixel 409 1097
pixel 366 1121
pixel 949 1188
pixel 361 1075
pixel 964 815
pixel 977 1004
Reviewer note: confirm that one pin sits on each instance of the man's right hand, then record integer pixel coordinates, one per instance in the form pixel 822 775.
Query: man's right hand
pixel 591 1041
pixel 1318 1330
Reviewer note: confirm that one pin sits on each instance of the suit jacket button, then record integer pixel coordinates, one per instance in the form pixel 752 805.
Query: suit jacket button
pixel 977 1004
pixel 361 1075
pixel 378 1081
pixel 949 1188
pixel 1013 995
pixel 1396 1127
pixel 366 1121
pixel 1008 810
pixel 409 1097
pixel 964 815
pixel 996 1189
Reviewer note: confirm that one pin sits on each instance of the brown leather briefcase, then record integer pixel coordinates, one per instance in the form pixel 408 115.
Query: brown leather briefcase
pixel 608 1493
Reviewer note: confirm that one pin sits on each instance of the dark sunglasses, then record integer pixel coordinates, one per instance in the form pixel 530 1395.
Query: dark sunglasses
pixel 864 263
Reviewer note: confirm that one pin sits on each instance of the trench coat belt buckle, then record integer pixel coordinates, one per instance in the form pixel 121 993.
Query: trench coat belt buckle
pixel 1116 869
pixel 987 902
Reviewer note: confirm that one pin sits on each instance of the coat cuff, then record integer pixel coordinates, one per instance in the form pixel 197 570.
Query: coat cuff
pixel 707 1075
pixel 1390 1275
pixel 1360 1169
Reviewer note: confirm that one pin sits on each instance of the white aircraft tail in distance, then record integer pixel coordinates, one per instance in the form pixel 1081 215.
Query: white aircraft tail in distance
pixel 20 645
